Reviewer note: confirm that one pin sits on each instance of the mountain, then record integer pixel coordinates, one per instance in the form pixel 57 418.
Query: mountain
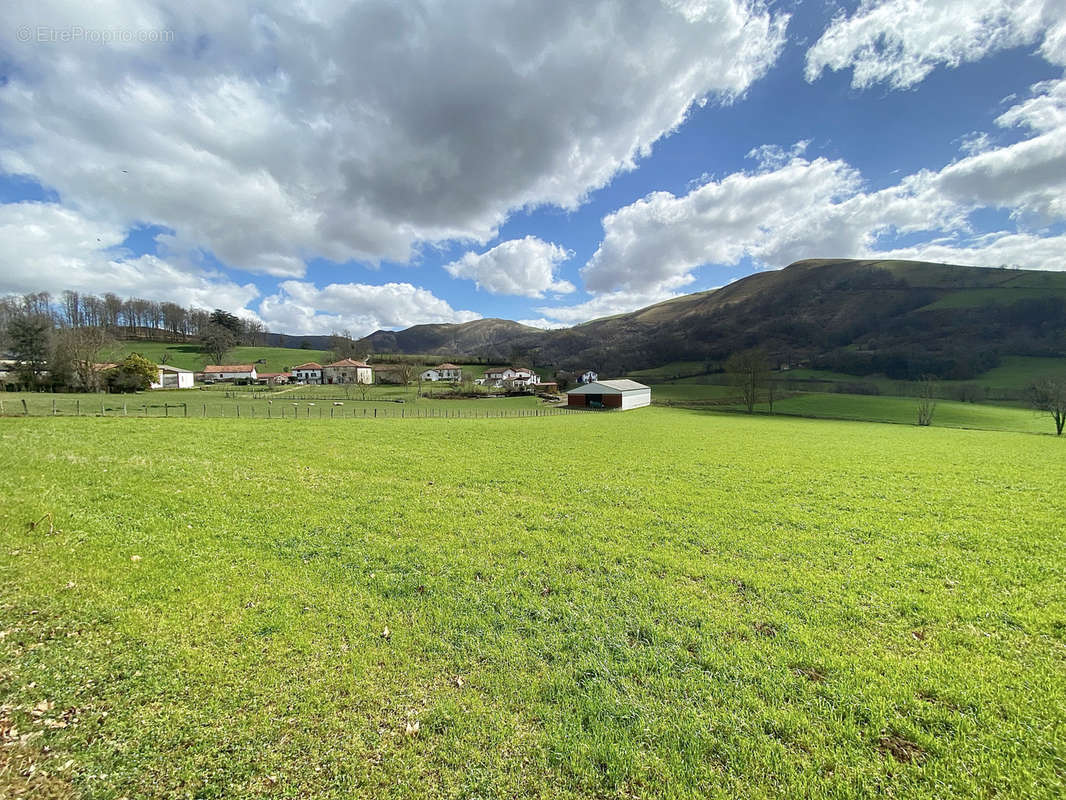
pixel 482 337
pixel 903 319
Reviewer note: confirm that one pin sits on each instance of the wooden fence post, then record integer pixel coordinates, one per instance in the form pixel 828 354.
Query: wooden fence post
pixel 78 402
pixel 25 408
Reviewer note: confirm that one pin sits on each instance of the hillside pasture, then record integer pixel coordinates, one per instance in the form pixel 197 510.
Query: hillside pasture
pixel 662 603
pixel 191 356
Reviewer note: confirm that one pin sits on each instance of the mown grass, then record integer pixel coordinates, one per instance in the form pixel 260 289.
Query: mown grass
pixel 661 603
pixel 867 408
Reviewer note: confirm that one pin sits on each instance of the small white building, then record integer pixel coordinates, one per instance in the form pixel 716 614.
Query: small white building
pixel 444 372
pixel 588 377
pixel 621 394
pixel 230 372
pixel 173 378
pixel 307 373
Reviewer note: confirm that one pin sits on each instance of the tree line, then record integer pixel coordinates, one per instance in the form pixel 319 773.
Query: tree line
pixel 61 342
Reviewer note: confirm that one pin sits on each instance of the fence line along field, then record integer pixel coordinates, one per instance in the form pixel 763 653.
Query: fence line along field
pixel 665 603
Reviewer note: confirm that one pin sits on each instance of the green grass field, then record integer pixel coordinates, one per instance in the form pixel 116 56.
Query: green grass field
pixel 225 400
pixel 663 603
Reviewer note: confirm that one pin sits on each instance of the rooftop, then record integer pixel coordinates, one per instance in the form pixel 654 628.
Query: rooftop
pixel 620 385
pixel 229 367
pixel 348 362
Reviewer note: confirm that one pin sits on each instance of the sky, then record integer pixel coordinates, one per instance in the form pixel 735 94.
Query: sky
pixel 330 166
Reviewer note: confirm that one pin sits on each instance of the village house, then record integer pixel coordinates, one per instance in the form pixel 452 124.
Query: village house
pixel 510 378
pixel 230 372
pixel 348 370
pixel 310 372
pixel 620 394
pixel 444 372
pixel 588 377
pixel 173 378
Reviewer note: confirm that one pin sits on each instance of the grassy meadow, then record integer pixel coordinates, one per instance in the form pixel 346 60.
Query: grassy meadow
pixel 663 603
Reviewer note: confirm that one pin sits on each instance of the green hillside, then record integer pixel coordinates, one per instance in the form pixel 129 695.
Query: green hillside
pixel 189 356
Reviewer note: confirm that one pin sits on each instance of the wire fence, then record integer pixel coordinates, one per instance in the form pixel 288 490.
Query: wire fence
pixel 108 406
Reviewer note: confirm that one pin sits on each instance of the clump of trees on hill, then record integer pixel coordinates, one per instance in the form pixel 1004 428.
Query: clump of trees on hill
pixel 61 342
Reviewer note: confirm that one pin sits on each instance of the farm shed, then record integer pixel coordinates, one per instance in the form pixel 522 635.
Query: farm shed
pixel 622 394
pixel 173 378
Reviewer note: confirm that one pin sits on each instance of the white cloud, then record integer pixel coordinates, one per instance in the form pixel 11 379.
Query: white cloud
pixel 608 304
pixel 302 307
pixel 543 323
pixel 899 42
pixel 795 208
pixel 999 249
pixel 524 267
pixel 802 209
pixel 45 247
pixel 269 132
pixel 1027 177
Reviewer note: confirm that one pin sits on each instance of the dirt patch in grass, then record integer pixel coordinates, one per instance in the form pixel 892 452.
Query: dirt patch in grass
pixel 902 749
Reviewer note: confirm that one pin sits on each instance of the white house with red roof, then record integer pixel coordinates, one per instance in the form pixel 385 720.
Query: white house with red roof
pixel 444 372
pixel 311 372
pixel 511 377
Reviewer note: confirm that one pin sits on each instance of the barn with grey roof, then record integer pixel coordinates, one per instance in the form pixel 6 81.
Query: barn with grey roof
pixel 620 394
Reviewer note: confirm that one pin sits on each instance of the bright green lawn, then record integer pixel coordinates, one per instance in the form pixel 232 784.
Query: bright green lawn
pixel 661 603
pixel 905 410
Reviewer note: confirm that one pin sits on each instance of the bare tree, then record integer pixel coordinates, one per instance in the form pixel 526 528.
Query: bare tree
pixel 926 400
pixel 1049 394
pixel 749 372
pixel 79 352
pixel 72 312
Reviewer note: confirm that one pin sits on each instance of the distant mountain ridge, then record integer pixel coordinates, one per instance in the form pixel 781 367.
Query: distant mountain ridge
pixel 899 318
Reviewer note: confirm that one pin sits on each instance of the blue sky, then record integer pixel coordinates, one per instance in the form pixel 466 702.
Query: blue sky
pixel 355 166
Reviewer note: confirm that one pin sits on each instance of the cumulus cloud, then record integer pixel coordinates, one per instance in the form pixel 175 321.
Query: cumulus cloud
pixel 269 132
pixel 524 267
pixel 997 249
pixel 607 304
pixel 302 307
pixel 793 207
pixel 899 42
pixel 802 209
pixel 45 247
pixel 1027 177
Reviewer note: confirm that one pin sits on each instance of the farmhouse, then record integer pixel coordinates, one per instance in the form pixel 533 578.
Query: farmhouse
pixel 511 377
pixel 310 372
pixel 229 372
pixel 622 394
pixel 348 370
pixel 588 377
pixel 173 378
pixel 444 372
